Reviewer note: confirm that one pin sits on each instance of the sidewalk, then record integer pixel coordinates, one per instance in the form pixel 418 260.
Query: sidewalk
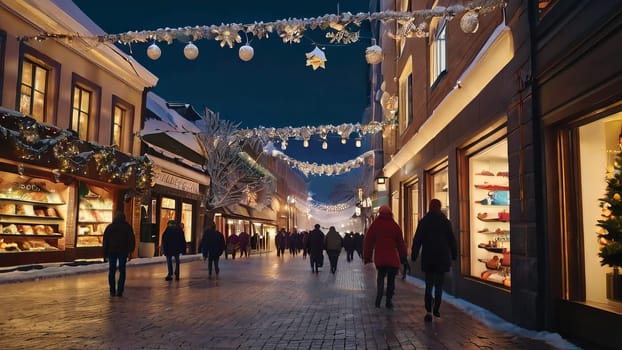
pixel 261 302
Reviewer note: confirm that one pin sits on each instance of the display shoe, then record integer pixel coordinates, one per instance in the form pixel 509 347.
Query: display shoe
pixel 493 263
pixel 427 317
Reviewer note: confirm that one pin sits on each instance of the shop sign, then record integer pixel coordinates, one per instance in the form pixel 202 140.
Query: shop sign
pixel 176 182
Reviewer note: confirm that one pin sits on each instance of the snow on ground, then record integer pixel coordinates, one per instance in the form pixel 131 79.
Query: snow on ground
pixel 496 322
pixel 37 272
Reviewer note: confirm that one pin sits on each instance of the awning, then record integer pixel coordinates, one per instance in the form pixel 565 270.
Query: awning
pixel 239 211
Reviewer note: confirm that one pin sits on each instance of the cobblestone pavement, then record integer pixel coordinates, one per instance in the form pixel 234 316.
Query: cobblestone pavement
pixel 261 302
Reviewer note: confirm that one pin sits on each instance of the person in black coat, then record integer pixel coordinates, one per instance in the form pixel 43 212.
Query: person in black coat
pixel 118 244
pixel 349 245
pixel 212 247
pixel 434 236
pixel 173 244
pixel 315 246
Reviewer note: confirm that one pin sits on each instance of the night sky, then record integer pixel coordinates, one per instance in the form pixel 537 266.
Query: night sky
pixel 275 88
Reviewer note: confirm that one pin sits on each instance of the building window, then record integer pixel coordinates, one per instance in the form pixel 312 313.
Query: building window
pixel 117 126
pixel 439 186
pixel 599 145
pixel 405 96
pixel 122 124
pixel 186 220
pixel 81 111
pixel 489 212
pixel 438 49
pixel 33 89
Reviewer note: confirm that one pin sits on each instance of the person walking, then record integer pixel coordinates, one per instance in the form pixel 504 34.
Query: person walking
pixel 232 245
pixel 384 239
pixel 280 240
pixel 119 242
pixel 333 244
pixel 434 237
pixel 212 247
pixel 349 246
pixel 315 246
pixel 173 244
pixel 244 240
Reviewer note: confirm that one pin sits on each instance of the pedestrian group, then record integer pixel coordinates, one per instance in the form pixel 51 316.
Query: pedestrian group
pixel 383 244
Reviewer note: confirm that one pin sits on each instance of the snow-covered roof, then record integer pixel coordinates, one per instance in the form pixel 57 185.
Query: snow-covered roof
pixel 63 16
pixel 164 120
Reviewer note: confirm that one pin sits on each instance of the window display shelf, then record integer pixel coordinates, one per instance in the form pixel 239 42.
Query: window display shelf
pixel 24 201
pixel 16 219
pixel 489 208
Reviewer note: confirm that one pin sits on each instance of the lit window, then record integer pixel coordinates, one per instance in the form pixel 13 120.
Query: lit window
pixel 405 96
pixel 81 111
pixel 33 90
pixel 438 50
pixel 117 126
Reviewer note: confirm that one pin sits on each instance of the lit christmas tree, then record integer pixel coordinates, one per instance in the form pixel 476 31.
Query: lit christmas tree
pixel 610 235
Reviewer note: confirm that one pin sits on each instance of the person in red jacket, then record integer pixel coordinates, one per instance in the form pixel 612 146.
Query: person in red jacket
pixel 435 238
pixel 385 240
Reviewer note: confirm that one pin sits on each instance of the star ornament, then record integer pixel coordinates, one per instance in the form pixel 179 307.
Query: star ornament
pixel 316 58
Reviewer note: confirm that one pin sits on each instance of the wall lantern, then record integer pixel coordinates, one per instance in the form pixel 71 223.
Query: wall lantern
pixel 381 184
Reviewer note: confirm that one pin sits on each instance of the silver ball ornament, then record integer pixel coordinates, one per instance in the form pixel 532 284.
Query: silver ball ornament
pixel 191 51
pixel 154 52
pixel 469 23
pixel 246 53
pixel 374 54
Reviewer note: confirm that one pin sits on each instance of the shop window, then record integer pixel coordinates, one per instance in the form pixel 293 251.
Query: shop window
pixel 95 212
pixel 167 212
pixel 489 202
pixel 186 220
pixel 599 145
pixel 33 89
pixel 439 178
pixel 32 213
pixel 411 211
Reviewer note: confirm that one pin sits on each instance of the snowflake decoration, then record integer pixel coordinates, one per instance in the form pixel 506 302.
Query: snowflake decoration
pixel 343 37
pixel 291 31
pixel 227 34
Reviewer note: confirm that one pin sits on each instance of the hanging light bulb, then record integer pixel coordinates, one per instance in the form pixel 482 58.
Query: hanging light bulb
pixel 344 140
pixel 191 51
pixel 284 145
pixel 305 143
pixel 357 143
pixel 153 51
pixel 324 144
